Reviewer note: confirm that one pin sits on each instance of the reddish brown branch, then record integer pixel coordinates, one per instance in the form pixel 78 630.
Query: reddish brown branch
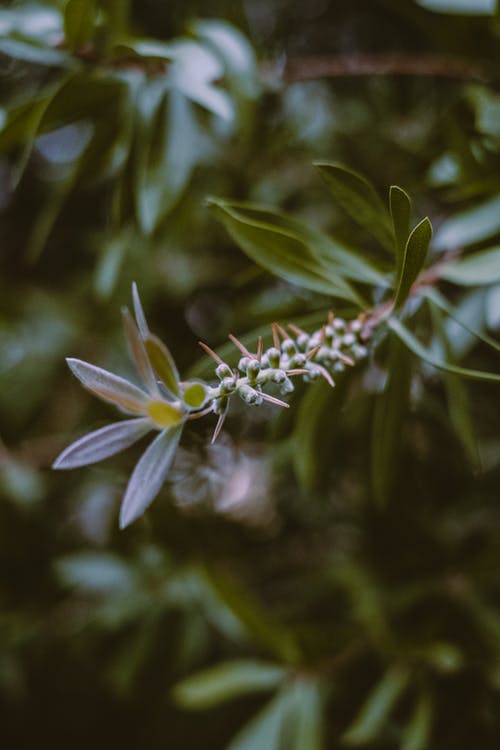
pixel 307 68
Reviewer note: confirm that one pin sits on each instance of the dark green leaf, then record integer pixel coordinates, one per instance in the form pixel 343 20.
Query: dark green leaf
pixel 428 356
pixel 400 207
pixel 388 419
pixel 274 243
pixel 226 681
pixel 413 260
pixel 360 200
pixel 79 18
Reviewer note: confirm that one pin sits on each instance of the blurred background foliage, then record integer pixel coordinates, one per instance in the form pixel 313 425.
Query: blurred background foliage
pixel 322 578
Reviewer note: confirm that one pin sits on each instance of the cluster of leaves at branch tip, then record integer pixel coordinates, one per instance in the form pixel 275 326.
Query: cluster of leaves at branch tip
pixel 164 403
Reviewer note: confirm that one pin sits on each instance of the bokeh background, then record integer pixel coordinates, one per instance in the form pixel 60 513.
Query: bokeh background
pixel 118 119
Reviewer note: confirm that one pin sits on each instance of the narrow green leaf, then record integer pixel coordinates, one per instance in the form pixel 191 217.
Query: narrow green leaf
pixel 457 397
pixel 477 269
pixel 360 200
pixel 305 728
pixel 400 207
pixel 470 226
pixel 417 733
pixel 463 7
pixel 162 362
pixel 280 250
pixel 33 53
pixel 413 260
pixel 226 681
pixel 79 18
pixel 375 712
pixel 436 298
pixel 428 356
pixel 388 420
pixel 267 728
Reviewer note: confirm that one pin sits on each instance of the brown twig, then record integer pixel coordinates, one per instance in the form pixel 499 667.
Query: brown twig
pixel 342 66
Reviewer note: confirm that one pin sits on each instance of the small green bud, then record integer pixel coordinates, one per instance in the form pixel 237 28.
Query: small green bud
pixel 273 356
pixel 253 369
pixel 223 371
pixel 250 395
pixel 286 386
pixel 303 341
pixel 220 405
pixel 228 386
pixel 298 360
pixel 288 347
pixel 279 376
pixel 243 364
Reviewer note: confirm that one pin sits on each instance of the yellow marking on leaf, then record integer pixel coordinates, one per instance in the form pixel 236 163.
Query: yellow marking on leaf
pixel 163 414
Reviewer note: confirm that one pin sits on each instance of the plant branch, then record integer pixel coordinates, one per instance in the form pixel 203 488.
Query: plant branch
pixel 342 66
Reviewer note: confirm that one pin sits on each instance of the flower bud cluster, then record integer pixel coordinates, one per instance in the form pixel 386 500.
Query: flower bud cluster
pixel 324 353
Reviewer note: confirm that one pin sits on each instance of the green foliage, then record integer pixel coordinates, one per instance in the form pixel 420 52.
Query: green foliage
pixel 320 566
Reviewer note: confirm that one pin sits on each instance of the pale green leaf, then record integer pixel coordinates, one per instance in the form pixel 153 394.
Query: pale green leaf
pixel 461 7
pixel 470 226
pixel 267 728
pixel 431 358
pixel 476 269
pixel 375 712
pixel 226 681
pixel 417 733
pixel 360 200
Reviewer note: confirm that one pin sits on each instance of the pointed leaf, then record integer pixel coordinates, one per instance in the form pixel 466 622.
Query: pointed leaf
pixel 400 207
pixel 413 260
pixel 436 298
pixel 280 249
pixel 388 419
pixel 149 475
pixel 477 269
pixel 102 443
pixel 226 681
pixel 359 199
pixel 376 710
pixel 163 363
pixel 306 722
pixel 109 387
pixel 79 17
pixel 422 352
pixel 267 728
pixel 470 226
pixel 417 733
pixel 139 354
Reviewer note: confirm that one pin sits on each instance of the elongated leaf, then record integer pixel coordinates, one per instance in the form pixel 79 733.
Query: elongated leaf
pixel 33 53
pixel 280 250
pixel 482 268
pixel 359 199
pixel 389 415
pixel 305 728
pixel 376 710
pixel 102 443
pixel 422 352
pixel 149 475
pixel 400 207
pixel 436 298
pixel 457 397
pixel 267 728
pixel 413 260
pixel 163 363
pixel 465 7
pixel 470 226
pixel 226 681
pixel 417 733
pixel 79 16
pixel 139 312
pixel 139 354
pixel 109 387
pixel 96 573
